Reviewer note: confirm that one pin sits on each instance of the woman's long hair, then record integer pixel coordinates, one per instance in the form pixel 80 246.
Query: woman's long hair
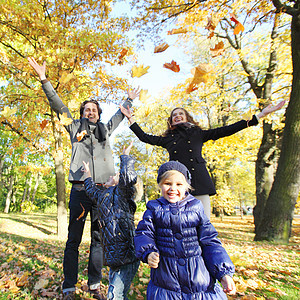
pixel 189 119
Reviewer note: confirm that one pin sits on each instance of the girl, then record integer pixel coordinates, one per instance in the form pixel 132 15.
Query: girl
pixel 184 140
pixel 179 243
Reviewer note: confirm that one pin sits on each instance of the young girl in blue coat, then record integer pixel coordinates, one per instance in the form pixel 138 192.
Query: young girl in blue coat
pixel 179 243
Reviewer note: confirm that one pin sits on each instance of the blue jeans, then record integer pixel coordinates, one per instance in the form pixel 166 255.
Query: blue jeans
pixel 120 279
pixel 79 202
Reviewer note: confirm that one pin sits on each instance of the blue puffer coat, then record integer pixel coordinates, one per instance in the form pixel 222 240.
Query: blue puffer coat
pixel 116 208
pixel 192 258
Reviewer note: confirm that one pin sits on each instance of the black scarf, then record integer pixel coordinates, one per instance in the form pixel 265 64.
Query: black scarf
pixel 99 132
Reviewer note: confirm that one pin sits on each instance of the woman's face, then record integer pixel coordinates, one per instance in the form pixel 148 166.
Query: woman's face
pixel 178 116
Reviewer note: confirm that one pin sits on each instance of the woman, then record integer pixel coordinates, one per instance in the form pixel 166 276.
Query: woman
pixel 184 140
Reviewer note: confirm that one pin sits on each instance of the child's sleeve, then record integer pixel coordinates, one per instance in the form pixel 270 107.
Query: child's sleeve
pixel 128 177
pixel 215 256
pixel 91 190
pixel 144 239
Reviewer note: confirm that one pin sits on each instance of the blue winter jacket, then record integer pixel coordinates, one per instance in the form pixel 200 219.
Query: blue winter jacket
pixel 116 208
pixel 192 258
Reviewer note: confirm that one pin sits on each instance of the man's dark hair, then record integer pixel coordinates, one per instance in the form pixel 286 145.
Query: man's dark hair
pixel 90 101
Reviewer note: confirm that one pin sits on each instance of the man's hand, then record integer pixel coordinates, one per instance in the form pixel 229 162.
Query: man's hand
pixel 39 69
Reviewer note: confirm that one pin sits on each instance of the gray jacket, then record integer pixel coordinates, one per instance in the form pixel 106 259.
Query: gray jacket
pixel 89 149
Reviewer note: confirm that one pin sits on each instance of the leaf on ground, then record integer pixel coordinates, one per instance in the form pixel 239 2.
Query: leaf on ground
pixel 41 284
pixel 138 71
pixel 173 66
pixel 161 48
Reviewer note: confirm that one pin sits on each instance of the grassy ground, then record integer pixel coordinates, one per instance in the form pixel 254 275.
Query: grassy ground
pixel 31 260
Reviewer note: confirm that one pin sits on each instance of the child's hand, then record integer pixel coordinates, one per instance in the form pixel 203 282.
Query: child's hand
pixel 153 260
pixel 228 285
pixel 126 151
pixel 86 169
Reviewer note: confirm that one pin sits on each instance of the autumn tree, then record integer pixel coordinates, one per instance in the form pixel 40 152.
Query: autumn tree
pixel 80 42
pixel 276 221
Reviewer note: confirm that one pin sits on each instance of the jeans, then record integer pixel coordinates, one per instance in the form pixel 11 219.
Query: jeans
pixel 120 279
pixel 79 203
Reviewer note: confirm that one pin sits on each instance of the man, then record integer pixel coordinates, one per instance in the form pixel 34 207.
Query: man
pixel 90 143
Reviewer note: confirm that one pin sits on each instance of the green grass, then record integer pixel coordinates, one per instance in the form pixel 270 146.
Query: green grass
pixel 31 260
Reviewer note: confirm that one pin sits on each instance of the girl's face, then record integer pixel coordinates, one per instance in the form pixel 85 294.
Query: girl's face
pixel 174 187
pixel 178 116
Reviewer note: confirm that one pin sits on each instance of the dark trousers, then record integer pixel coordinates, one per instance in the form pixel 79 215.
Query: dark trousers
pixel 79 203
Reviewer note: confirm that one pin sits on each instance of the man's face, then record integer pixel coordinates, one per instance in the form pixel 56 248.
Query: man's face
pixel 90 112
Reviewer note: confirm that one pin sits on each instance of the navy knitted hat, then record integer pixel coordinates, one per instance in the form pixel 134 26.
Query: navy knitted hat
pixel 174 165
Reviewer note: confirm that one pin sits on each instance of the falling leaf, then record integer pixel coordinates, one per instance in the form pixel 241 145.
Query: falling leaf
pixel 211 24
pixel 234 19
pixel 143 96
pixel 121 56
pixel 64 119
pixel 66 77
pixel 177 31
pixel 192 87
pixel 43 124
pixel 7 111
pixel 139 71
pixel 238 28
pixel 161 48
pixel 80 135
pixel 73 105
pixel 172 66
pixel 218 49
pixel 82 214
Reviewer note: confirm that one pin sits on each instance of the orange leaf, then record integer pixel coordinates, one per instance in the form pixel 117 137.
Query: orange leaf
pixel 211 34
pixel 211 24
pixel 82 214
pixel 192 87
pixel 161 48
pixel 218 50
pixel 80 135
pixel 234 19
pixel 172 66
pixel 238 28
pixel 43 124
pixel 121 56
pixel 177 31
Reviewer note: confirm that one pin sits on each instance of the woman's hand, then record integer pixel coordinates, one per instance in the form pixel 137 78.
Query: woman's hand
pixel 127 113
pixel 132 94
pixel 269 109
pixel 153 260
pixel 39 69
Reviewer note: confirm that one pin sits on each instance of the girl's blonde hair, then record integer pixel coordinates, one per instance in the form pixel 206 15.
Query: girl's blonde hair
pixel 169 173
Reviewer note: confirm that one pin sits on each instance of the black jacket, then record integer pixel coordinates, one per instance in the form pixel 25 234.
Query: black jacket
pixel 184 144
pixel 116 208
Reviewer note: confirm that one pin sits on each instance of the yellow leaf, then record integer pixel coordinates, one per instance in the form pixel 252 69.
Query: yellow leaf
pixel 65 120
pixel 139 71
pixel 177 31
pixel 143 95
pixel 7 111
pixel 66 77
pixel 72 105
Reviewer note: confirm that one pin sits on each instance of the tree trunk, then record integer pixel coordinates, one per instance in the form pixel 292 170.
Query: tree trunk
pixel 29 188
pixel 278 213
pixel 9 194
pixel 24 193
pixel 62 218
pixel 265 168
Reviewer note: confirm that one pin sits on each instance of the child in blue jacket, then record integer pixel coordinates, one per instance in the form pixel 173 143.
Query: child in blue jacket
pixel 179 243
pixel 116 208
